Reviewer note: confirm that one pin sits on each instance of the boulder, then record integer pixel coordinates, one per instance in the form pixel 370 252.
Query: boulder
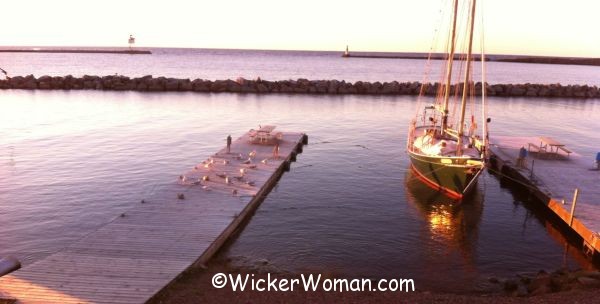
pixel 349 88
pixel 405 88
pixel 544 92
pixel 333 87
pixel 130 85
pixel 579 91
pixel 16 82
pixel 517 90
pixel 300 89
pixel 322 86
pixel 592 92
pixel 219 85
pixel 44 85
pixel 375 88
pixel 540 291
pixel 567 91
pixel 171 84
pixel 284 87
pixel 588 282
pixel 29 83
pixel 262 88
pixel 156 84
pixel 200 85
pixel 510 285
pixel 531 92
pixel 4 84
pixel 77 84
pixel 359 87
pixel 185 85
pixel 390 88
pixel 68 82
pixel 233 86
pixel 141 86
pixel 415 87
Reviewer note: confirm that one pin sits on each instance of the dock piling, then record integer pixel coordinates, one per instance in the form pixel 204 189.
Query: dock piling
pixel 573 206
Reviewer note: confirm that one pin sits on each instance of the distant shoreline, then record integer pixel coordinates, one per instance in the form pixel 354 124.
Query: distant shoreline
pixel 94 51
pixel 299 86
pixel 497 58
pixel 536 59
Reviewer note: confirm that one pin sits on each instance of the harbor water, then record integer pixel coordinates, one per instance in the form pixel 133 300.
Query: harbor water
pixel 72 161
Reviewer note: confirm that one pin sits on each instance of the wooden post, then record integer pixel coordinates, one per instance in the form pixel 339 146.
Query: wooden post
pixel 573 206
pixel 531 173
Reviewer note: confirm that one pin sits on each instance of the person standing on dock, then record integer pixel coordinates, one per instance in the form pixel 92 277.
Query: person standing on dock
pixel 521 159
pixel 276 149
pixel 228 144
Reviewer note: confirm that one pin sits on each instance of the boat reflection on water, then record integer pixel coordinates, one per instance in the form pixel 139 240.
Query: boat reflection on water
pixel 452 226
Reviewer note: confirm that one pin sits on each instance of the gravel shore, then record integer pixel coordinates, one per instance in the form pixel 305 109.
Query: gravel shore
pixel 195 286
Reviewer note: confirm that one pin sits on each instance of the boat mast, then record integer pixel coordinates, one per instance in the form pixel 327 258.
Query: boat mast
pixel 483 93
pixel 463 103
pixel 449 69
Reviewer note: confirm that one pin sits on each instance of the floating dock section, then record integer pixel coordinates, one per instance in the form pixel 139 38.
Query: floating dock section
pixel 142 250
pixel 553 180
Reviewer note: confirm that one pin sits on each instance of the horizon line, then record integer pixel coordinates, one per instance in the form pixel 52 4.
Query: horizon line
pixel 8 47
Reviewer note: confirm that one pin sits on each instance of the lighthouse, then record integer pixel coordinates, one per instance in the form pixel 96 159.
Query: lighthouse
pixel 131 42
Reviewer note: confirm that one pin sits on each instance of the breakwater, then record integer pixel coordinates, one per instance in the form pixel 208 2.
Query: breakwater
pixel 477 57
pixel 78 51
pixel 299 86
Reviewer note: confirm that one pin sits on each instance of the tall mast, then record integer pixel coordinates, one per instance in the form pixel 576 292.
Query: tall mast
pixel 463 103
pixel 483 93
pixel 449 68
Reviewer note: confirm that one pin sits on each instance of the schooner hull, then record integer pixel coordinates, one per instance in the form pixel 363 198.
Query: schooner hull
pixel 455 180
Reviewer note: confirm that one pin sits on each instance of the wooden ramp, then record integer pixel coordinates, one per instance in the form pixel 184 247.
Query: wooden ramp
pixel 134 256
pixel 553 181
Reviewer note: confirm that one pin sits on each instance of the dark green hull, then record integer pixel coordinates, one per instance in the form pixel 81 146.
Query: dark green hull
pixel 455 177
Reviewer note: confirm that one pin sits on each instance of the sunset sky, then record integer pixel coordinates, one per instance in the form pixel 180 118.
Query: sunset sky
pixel 533 27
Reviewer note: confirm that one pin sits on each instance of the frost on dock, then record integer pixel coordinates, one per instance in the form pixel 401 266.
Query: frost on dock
pixel 134 256
pixel 556 176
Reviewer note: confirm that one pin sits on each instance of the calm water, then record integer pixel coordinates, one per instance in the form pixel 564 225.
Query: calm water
pixel 72 161
pixel 278 65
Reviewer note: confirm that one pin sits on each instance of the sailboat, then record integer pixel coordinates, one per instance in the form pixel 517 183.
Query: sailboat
pixel 445 153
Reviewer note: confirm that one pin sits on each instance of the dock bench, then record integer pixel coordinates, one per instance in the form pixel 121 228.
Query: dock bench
pixel 536 148
pixel 566 150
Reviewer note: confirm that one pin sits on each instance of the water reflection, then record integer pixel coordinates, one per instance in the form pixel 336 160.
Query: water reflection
pixel 451 224
pixel 570 243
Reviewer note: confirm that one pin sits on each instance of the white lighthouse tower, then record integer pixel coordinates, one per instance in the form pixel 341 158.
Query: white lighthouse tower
pixel 131 42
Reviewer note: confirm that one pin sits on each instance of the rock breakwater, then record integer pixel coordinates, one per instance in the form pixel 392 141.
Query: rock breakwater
pixel 299 86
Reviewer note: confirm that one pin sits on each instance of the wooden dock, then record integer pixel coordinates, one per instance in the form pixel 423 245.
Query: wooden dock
pixel 142 250
pixel 553 180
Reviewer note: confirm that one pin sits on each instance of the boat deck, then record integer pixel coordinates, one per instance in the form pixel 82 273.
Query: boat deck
pixel 554 180
pixel 134 256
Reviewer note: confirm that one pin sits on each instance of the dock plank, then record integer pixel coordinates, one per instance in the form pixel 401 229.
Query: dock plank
pixel 134 256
